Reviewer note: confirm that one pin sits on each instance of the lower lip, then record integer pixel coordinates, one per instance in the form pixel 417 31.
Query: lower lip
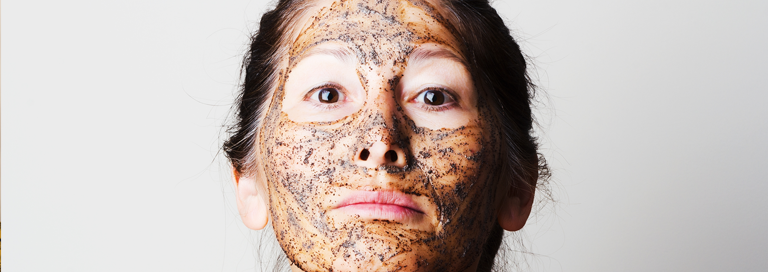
pixel 380 211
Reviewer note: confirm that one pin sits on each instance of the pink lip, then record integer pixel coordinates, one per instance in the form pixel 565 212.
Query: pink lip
pixel 387 205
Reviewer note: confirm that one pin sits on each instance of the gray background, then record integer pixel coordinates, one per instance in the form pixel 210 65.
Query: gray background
pixel 653 123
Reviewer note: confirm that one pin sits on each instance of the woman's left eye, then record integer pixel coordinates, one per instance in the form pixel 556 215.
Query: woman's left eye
pixel 434 98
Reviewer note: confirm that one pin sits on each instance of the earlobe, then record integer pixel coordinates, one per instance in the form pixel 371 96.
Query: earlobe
pixel 514 209
pixel 251 201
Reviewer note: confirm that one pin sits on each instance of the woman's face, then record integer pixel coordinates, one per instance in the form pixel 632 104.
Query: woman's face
pixel 376 148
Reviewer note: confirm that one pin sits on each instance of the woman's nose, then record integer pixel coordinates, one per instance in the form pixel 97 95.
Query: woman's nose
pixel 379 129
pixel 380 153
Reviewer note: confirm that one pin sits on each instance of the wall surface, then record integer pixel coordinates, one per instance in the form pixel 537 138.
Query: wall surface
pixel 653 121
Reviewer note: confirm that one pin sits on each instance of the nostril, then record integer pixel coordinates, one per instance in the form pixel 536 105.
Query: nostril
pixel 364 154
pixel 391 155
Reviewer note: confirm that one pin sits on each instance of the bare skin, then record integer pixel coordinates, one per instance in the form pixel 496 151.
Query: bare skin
pixel 380 60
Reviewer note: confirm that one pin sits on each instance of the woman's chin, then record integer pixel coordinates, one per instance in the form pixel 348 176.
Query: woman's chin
pixel 369 253
pixel 380 247
pixel 401 262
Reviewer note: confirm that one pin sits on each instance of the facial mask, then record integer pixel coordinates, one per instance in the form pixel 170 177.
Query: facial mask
pixel 310 166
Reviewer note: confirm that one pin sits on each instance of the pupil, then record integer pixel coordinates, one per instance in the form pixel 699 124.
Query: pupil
pixel 434 98
pixel 329 95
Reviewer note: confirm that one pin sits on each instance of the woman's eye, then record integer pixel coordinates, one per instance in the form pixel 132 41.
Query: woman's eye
pixel 328 95
pixel 434 97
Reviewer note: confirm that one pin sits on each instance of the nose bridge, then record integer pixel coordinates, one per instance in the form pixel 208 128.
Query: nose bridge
pixel 378 126
pixel 380 78
pixel 381 103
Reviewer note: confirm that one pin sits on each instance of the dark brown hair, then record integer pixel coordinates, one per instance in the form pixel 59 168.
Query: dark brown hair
pixel 496 63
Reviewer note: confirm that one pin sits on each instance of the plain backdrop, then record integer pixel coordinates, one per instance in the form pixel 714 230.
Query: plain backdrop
pixel 653 119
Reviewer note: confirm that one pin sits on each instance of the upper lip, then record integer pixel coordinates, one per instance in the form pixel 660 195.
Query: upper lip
pixel 380 197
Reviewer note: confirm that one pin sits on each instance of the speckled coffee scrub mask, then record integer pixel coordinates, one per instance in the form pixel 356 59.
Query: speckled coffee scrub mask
pixel 377 152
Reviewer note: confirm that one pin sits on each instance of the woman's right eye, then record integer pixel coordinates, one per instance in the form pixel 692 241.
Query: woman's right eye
pixel 326 97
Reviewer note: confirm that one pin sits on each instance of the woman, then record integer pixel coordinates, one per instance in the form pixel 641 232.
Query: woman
pixel 385 135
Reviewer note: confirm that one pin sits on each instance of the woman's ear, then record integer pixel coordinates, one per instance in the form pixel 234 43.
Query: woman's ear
pixel 251 200
pixel 515 207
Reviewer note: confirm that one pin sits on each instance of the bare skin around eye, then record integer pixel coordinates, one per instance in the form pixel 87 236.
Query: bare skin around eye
pixel 418 200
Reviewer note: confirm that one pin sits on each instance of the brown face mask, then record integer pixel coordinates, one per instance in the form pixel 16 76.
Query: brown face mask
pixel 441 176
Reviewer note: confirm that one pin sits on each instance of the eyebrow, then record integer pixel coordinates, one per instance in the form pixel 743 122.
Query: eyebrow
pixel 424 53
pixel 340 53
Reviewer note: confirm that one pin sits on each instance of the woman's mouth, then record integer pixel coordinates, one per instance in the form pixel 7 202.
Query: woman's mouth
pixel 382 205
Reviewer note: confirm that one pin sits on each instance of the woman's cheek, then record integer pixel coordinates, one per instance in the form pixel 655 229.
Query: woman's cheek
pixel 453 160
pixel 285 165
pixel 307 161
pixel 300 164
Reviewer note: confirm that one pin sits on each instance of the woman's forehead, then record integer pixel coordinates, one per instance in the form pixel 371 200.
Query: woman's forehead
pixel 375 31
